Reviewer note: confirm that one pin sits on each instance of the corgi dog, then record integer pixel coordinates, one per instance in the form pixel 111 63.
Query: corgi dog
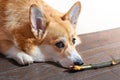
pixel 32 31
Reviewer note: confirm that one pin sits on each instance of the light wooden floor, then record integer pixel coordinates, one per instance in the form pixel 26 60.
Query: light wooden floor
pixel 96 48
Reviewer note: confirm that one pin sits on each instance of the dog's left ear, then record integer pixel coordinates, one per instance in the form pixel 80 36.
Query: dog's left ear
pixel 73 13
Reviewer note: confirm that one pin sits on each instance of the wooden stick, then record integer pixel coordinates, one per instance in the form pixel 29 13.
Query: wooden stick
pixel 95 66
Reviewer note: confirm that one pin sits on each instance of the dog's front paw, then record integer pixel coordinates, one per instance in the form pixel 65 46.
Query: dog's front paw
pixel 23 58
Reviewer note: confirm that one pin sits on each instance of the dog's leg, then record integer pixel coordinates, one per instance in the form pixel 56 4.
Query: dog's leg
pixel 11 51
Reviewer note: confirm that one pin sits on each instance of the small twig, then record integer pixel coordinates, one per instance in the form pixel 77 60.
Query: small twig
pixel 95 66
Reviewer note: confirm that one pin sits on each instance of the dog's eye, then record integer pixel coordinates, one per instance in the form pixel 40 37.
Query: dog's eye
pixel 60 44
pixel 73 40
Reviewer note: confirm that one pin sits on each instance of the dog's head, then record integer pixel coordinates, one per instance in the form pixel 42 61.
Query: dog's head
pixel 57 34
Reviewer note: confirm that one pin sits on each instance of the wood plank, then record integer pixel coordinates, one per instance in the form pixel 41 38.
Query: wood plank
pixel 93 40
pixel 7 64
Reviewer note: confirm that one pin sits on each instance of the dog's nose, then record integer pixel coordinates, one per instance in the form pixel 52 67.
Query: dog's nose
pixel 78 62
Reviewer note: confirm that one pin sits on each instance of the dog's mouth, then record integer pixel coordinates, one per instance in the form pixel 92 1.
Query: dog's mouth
pixel 66 63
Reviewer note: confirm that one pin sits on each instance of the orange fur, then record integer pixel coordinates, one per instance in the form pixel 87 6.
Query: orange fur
pixel 15 26
pixel 15 17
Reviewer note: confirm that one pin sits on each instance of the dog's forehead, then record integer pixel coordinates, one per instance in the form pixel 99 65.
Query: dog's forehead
pixel 60 29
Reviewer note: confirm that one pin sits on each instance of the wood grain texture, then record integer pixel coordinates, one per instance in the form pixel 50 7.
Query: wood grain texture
pixel 95 48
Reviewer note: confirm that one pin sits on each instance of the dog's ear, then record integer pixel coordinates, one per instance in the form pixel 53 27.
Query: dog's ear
pixel 38 21
pixel 73 13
